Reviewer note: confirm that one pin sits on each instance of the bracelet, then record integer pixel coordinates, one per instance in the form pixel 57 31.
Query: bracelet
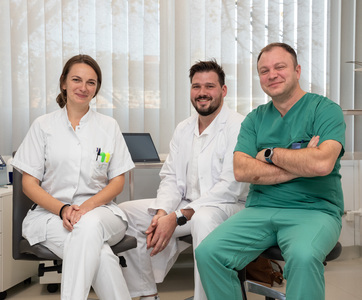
pixel 61 210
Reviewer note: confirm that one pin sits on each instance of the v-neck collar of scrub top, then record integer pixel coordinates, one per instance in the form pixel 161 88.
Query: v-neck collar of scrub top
pixel 290 111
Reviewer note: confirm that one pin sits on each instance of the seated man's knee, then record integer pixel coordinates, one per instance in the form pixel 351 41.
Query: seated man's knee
pixel 305 258
pixel 208 217
pixel 204 221
pixel 205 251
pixel 201 218
pixel 135 209
pixel 201 253
pixel 124 205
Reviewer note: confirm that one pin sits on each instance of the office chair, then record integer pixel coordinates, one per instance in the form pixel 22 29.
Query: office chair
pixel 270 253
pixel 22 249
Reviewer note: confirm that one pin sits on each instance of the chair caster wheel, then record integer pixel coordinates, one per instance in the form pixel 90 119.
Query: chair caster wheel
pixel 52 287
pixel 3 295
pixel 27 281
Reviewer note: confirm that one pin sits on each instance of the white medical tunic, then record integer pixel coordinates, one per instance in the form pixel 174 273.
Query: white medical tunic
pixel 66 162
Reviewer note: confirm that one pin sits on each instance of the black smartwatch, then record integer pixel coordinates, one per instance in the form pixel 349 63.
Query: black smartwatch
pixel 180 218
pixel 268 154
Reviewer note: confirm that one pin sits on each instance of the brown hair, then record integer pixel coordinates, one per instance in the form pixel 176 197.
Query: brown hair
pixel 286 47
pixel 77 59
pixel 207 66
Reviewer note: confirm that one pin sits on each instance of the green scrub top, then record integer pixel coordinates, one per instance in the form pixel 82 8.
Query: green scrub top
pixel 312 115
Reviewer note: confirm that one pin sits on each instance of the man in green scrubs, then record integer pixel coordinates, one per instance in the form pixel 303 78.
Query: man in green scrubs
pixel 289 150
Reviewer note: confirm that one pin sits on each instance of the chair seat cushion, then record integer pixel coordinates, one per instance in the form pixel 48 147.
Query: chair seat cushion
pixel 335 253
pixel 274 252
pixel 128 242
pixel 41 252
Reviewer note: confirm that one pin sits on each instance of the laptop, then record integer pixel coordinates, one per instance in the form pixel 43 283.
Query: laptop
pixel 141 147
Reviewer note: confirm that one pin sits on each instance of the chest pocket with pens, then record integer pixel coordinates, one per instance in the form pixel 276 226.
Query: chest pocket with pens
pixel 99 167
pixel 102 156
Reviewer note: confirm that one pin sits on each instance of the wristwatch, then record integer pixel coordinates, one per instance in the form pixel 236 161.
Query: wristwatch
pixel 268 154
pixel 180 218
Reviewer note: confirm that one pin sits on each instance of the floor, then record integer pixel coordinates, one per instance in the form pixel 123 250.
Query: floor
pixel 343 281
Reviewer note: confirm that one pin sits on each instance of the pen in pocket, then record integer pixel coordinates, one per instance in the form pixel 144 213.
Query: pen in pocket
pixel 98 152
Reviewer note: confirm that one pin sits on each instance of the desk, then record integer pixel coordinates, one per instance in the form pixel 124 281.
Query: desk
pixel 149 165
pixel 352 112
pixel 11 271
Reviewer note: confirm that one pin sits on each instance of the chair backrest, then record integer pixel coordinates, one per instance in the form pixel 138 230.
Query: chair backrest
pixel 21 205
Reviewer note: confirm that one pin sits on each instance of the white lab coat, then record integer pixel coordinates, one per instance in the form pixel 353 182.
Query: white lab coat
pixel 65 162
pixel 215 165
pixel 218 189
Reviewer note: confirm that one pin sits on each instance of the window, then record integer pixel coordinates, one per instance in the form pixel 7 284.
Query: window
pixel 145 49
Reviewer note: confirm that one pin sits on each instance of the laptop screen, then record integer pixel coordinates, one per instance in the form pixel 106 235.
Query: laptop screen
pixel 141 147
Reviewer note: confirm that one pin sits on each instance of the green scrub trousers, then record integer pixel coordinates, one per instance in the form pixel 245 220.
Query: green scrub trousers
pixel 305 237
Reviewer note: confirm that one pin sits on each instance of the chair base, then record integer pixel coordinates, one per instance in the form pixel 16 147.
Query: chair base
pixel 263 290
pixel 57 266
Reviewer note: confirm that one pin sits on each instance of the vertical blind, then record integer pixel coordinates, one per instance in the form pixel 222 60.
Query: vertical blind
pixel 145 49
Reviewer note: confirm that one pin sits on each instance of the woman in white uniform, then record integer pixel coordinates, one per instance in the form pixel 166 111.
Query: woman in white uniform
pixel 73 163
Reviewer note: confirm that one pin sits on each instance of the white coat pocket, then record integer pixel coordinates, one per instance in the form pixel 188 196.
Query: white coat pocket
pixel 98 176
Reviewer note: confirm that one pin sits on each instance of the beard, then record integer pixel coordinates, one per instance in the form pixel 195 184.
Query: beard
pixel 214 105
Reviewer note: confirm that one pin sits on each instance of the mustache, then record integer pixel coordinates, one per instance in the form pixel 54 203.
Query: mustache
pixel 203 98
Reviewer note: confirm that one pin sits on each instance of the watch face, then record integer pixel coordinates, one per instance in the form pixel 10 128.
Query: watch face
pixel 267 152
pixel 181 220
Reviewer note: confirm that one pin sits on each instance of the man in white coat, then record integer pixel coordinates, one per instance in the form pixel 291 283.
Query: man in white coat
pixel 197 192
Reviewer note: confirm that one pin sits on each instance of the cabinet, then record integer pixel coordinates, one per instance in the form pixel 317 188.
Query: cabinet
pixel 11 271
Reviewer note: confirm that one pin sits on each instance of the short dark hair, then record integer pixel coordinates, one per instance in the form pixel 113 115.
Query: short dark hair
pixel 77 59
pixel 207 66
pixel 286 47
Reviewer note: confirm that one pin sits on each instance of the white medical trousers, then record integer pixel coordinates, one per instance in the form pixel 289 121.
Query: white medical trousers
pixel 143 271
pixel 87 257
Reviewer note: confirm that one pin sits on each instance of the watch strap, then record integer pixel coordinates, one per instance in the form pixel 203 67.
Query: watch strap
pixel 268 160
pixel 178 213
pixel 180 218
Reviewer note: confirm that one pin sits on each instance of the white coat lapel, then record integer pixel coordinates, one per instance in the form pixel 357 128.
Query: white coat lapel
pixel 186 147
pixel 219 122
